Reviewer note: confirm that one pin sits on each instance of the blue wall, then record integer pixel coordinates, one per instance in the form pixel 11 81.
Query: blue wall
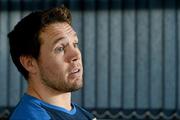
pixel 130 52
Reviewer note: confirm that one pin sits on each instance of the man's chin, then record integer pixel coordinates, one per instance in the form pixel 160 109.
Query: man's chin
pixel 77 86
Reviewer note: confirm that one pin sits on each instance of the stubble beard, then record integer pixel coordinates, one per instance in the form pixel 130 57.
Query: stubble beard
pixel 61 84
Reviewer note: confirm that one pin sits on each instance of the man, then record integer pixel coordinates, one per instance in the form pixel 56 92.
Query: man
pixel 44 48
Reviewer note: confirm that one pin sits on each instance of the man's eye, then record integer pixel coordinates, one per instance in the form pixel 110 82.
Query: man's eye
pixel 59 49
pixel 76 45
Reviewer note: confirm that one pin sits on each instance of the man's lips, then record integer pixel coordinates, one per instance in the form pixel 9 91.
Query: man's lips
pixel 75 70
pixel 75 73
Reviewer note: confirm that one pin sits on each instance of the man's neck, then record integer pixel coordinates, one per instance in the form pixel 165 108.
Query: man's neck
pixel 50 96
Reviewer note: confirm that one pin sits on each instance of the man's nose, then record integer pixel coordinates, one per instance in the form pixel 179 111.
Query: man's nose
pixel 73 55
pixel 74 58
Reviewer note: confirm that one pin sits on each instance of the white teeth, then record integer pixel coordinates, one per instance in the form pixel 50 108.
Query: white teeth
pixel 75 70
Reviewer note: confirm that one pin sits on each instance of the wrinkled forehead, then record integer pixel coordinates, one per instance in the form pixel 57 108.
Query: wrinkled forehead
pixel 56 30
pixel 61 28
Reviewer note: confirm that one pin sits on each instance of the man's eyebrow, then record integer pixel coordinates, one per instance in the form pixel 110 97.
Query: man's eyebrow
pixel 62 38
pixel 57 40
pixel 75 34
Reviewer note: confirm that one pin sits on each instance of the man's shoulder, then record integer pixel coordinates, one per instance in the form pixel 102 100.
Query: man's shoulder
pixel 85 112
pixel 28 110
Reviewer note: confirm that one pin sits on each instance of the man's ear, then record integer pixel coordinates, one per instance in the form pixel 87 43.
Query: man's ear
pixel 29 63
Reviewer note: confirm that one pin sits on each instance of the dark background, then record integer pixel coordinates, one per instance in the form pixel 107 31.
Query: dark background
pixel 131 56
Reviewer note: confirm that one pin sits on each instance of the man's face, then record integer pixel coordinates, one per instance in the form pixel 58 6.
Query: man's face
pixel 60 64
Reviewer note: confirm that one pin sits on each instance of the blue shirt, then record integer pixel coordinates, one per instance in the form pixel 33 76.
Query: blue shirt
pixel 31 108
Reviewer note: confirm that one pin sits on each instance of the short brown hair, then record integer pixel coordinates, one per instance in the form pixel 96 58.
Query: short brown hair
pixel 24 38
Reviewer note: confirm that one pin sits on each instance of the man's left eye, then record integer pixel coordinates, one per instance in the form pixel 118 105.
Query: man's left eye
pixel 76 45
pixel 59 49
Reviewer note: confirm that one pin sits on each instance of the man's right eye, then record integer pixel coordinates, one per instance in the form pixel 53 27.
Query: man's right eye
pixel 59 49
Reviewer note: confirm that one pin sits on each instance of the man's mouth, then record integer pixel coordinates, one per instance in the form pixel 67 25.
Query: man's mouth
pixel 75 73
pixel 75 70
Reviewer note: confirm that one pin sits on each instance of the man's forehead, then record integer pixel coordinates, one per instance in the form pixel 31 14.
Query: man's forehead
pixel 57 30
pixel 62 28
